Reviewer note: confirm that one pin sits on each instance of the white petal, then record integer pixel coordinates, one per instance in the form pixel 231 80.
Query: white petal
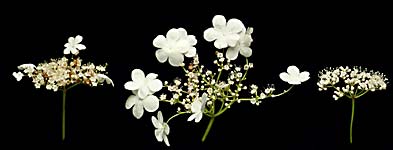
pixel 232 39
pixel 196 106
pixel 143 92
pixel 78 39
pixel 151 103
pixel 155 122
pixel 159 41
pixel 235 26
pixel 198 117
pixel 284 76
pixel 172 35
pixel 293 70
pixel 161 55
pixel 232 53
pixel 131 85
pixel 192 117
pixel 176 59
pixel 131 101
pixel 219 21
pixel 210 34
pixel 74 51
pixel 71 40
pixel 304 76
pixel 191 40
pixel 67 50
pixel 151 76
pixel 107 79
pixel 166 128
pixel 220 43
pixel 294 82
pixel 246 51
pixel 80 46
pixel 158 133
pixel 159 117
pixel 137 75
pixel 182 33
pixel 166 140
pixel 137 111
pixel 155 85
pixel 191 52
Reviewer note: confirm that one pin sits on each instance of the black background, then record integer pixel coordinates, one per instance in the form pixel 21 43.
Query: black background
pixel 310 36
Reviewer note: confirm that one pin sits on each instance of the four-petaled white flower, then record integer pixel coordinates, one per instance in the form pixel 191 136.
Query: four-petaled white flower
pixel 18 76
pixel 242 46
pixel 74 45
pixel 197 108
pixel 162 128
pixel 293 75
pixel 102 77
pixel 224 33
pixel 143 85
pixel 176 43
pixel 150 104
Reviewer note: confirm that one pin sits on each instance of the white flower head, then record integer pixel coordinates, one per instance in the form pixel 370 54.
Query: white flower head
pixel 224 33
pixel 293 75
pixel 242 46
pixel 197 108
pixel 18 76
pixel 150 104
pixel 176 44
pixel 103 77
pixel 74 45
pixel 162 128
pixel 144 85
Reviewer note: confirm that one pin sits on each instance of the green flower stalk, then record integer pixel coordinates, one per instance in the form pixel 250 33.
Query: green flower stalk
pixel 351 83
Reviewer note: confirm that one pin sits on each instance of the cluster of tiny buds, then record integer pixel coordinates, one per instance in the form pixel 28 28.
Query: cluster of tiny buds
pixel 351 82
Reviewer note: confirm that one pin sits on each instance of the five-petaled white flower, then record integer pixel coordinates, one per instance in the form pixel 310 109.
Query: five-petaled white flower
pixel 102 77
pixel 18 76
pixel 225 33
pixel 293 75
pixel 74 45
pixel 150 104
pixel 242 46
pixel 143 85
pixel 176 43
pixel 197 108
pixel 162 128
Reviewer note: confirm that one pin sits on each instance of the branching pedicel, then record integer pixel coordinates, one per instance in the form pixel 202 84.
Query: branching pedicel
pixel 203 92
pixel 64 73
pixel 351 83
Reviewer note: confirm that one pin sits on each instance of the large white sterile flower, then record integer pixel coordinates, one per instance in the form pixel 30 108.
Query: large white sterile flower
pixel 143 85
pixel 224 33
pixel 74 45
pixel 197 108
pixel 242 46
pixel 18 76
pixel 150 104
pixel 176 44
pixel 293 75
pixel 162 128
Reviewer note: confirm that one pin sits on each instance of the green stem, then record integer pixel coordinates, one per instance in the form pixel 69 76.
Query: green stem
pixel 352 115
pixel 63 118
pixel 208 129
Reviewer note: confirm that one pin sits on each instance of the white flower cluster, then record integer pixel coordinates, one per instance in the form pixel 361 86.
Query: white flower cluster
pixel 63 72
pixel 351 82
pixel 202 92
